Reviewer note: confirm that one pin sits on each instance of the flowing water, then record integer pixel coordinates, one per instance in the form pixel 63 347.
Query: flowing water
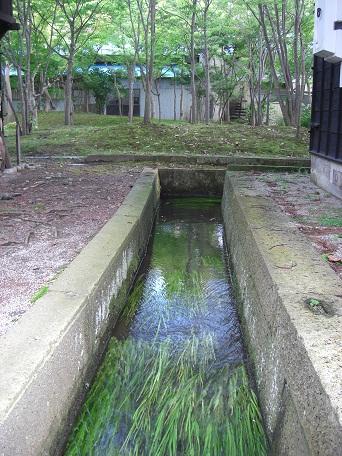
pixel 173 381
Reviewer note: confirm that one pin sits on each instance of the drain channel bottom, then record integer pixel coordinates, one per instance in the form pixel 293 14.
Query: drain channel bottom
pixel 173 381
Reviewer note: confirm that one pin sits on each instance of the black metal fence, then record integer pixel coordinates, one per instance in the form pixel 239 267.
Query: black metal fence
pixel 326 124
pixel 7 21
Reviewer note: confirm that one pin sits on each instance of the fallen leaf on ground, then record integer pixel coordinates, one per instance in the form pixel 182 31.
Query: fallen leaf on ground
pixel 335 258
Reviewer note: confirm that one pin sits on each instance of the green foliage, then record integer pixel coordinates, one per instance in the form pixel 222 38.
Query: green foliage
pixel 39 294
pixel 231 30
pixel 326 220
pixel 314 302
pixel 306 117
pixel 101 84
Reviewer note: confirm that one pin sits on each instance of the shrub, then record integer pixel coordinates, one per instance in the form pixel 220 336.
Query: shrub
pixel 305 118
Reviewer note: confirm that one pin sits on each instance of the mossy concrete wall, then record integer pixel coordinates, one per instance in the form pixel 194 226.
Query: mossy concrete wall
pixel 295 348
pixel 195 182
pixel 196 159
pixel 49 357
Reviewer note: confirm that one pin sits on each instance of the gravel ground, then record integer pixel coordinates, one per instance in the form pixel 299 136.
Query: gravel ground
pixel 47 214
pixel 316 213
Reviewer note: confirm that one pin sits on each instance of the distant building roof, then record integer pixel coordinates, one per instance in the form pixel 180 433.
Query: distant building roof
pixel 166 72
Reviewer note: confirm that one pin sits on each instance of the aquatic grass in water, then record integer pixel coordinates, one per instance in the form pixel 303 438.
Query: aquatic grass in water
pixel 177 385
pixel 147 399
pixel 195 202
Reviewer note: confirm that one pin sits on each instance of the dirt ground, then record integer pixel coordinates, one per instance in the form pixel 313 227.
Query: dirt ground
pixel 47 214
pixel 316 213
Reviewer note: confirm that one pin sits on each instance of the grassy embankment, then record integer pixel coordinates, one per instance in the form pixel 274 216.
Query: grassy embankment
pixel 110 135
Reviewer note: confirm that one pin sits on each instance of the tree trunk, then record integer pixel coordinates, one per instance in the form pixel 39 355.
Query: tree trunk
pixel 9 97
pixel 29 88
pixel 193 64
pixel 283 106
pixel 131 69
pixel 68 107
pixel 22 101
pixel 259 116
pixel 174 97
pixel 86 100
pixel 5 158
pixel 148 96
pixel 181 112
pixel 118 94
pixel 150 38
pixel 34 105
pixel 48 100
pixel 206 65
pixel 268 104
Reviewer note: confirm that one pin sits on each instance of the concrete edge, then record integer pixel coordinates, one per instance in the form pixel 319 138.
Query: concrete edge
pixel 217 160
pixel 295 354
pixel 49 357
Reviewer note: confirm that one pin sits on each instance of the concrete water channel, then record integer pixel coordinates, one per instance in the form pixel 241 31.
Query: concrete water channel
pixel 173 380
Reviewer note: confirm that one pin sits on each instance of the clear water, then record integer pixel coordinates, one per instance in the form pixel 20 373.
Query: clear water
pixel 174 381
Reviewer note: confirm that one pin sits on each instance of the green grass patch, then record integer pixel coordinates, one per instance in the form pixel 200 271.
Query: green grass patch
pixel 328 221
pixel 39 294
pixel 96 134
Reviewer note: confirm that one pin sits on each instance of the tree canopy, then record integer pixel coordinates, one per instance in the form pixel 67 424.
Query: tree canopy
pixel 214 46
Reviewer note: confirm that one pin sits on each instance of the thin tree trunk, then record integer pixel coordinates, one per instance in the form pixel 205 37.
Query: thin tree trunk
pixel 150 37
pixel 268 105
pixel 22 101
pixel 174 96
pixel 32 114
pixel 68 108
pixel 5 158
pixel 9 97
pixel 48 100
pixel 147 111
pixel 193 64
pixel 86 101
pixel 157 82
pixel 131 69
pixel 34 104
pixel 284 108
pixel 259 117
pixel 118 94
pixel 206 64
pixel 181 112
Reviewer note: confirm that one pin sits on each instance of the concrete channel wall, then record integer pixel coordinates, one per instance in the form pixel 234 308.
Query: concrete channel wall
pixel 49 357
pixel 194 182
pixel 295 348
